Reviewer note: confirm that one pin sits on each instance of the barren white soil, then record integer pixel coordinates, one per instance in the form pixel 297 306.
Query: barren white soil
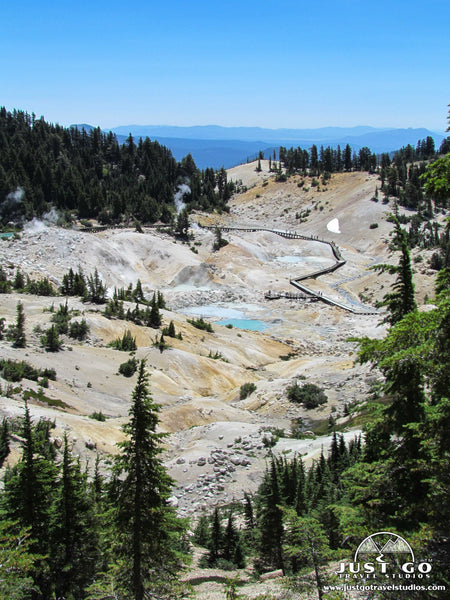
pixel 215 447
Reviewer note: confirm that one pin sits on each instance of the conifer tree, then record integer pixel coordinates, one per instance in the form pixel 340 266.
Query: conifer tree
pixel 149 533
pixel 28 501
pixel 19 339
pixel 306 542
pixel 270 522
pixel 248 512
pixel 182 226
pixel 171 330
pixel 154 318
pixel 50 340
pixel 4 441
pixel 19 280
pixel 73 543
pixel 216 539
pixel 401 301
pixel 17 562
pixel 300 499
pixel 161 301
pixel 230 539
pixel 96 289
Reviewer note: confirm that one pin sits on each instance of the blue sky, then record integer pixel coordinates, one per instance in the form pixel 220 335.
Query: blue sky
pixel 276 63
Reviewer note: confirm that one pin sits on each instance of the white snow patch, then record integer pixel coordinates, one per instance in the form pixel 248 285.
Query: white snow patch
pixel 333 226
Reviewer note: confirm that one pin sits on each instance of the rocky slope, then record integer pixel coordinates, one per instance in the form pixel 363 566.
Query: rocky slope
pixel 218 443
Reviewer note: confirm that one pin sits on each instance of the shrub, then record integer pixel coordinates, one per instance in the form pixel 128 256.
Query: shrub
pixel 78 330
pixel 170 330
pixel 373 226
pixel 41 397
pixel 61 318
pixel 128 368
pixel 98 416
pixel 201 324
pixel 127 343
pixel 246 390
pixel 309 394
pixel 220 241
pixel 50 340
pixel 436 262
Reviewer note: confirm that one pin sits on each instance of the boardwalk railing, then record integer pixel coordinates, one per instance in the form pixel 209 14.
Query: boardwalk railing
pixel 340 262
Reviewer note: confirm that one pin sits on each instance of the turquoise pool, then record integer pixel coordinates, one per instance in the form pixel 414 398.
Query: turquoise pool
pixel 249 324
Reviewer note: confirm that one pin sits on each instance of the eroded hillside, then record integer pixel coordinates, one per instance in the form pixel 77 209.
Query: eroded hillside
pixel 217 442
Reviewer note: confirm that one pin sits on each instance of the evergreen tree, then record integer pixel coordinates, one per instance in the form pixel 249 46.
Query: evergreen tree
pixel 154 319
pixel 182 226
pixel 17 562
pixel 232 547
pixel 160 300
pixel 19 280
pixel 96 289
pixel 73 543
pixel 171 330
pixel 307 544
pixel 401 301
pixel 216 539
pixel 50 340
pixel 4 441
pixel 19 339
pixel 138 294
pixel 201 533
pixel 149 533
pixel 270 522
pixel 27 500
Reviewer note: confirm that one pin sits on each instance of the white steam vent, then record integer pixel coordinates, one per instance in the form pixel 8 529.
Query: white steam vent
pixel 183 189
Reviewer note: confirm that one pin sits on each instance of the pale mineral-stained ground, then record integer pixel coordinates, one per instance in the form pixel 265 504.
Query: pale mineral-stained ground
pixel 215 446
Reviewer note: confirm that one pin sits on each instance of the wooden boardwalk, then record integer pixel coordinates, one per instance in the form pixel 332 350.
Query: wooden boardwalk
pixel 306 291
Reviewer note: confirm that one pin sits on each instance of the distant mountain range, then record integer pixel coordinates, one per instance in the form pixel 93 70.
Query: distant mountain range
pixel 216 146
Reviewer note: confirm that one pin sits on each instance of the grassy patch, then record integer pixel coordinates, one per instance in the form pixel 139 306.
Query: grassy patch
pixel 41 397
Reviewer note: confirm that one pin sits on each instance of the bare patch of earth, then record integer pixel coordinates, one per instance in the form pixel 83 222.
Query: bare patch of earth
pixel 215 447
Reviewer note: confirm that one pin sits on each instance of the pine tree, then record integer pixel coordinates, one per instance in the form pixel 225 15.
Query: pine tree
pixel 50 340
pixel 154 318
pixel 232 544
pixel 19 280
pixel 19 339
pixel 306 543
pixel 149 532
pixel 401 301
pixel 74 547
pixel 17 562
pixel 182 226
pixel 96 289
pixel 138 293
pixel 270 522
pixel 216 539
pixel 4 441
pixel 161 301
pixel 28 499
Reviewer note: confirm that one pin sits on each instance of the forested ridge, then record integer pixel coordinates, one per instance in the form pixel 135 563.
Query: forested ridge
pixel 90 175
